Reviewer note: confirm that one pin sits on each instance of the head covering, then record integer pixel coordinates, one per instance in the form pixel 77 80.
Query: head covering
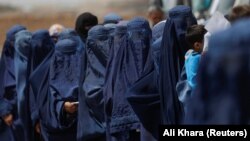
pixel 222 94
pixel 22 72
pixel 71 34
pixel 112 18
pixel 157 33
pixel 173 49
pixel 83 23
pixel 157 30
pixel 64 71
pixel 42 44
pixel 91 82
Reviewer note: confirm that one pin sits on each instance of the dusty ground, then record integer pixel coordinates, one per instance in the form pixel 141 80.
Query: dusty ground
pixel 44 17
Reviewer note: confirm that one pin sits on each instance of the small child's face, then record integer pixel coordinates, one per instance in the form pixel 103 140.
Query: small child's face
pixel 155 17
pixel 198 46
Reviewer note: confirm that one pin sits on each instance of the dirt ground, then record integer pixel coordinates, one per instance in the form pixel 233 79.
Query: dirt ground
pixel 43 18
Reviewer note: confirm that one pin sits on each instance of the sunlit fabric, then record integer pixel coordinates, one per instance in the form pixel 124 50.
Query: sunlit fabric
pixel 173 49
pixel 8 96
pixel 22 64
pixel 112 18
pixel 91 122
pixel 222 94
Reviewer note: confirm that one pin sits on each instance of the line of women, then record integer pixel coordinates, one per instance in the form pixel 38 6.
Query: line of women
pixel 117 81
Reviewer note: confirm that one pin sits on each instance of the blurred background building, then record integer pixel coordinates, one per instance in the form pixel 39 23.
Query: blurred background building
pixel 37 14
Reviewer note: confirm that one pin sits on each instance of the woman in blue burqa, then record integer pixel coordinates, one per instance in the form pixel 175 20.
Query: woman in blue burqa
pixel 222 93
pixel 91 122
pixel 58 93
pixel 22 62
pixel 9 131
pixel 143 95
pixel 132 50
pixel 157 87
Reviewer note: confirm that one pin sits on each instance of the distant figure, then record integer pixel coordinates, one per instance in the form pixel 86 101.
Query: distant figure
pixel 239 12
pixel 155 15
pixel 55 30
pixel 112 18
pixel 83 23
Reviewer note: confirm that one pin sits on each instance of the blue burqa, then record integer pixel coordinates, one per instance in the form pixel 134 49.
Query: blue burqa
pixel 91 121
pixel 173 49
pixel 8 96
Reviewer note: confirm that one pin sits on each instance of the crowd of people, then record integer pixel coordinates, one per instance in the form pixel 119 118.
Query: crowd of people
pixel 120 79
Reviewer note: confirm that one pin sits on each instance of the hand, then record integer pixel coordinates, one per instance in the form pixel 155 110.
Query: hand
pixel 38 128
pixel 70 107
pixel 8 119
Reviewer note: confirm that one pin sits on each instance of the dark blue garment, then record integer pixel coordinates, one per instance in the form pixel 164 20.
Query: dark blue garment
pixel 143 96
pixel 157 30
pixel 119 40
pixel 131 59
pixel 173 49
pixel 63 85
pixel 42 44
pixel 222 93
pixel 8 97
pixel 157 33
pixel 91 123
pixel 22 71
pixel 112 18
pixel 72 34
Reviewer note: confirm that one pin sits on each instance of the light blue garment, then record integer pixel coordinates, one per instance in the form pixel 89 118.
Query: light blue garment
pixel 192 60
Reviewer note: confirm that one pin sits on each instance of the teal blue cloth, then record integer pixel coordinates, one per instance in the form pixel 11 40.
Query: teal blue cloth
pixel 192 60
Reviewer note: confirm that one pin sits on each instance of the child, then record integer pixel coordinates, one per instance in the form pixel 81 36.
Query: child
pixel 194 36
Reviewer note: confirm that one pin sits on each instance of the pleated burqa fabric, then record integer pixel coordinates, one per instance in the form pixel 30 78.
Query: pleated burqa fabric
pixel 129 63
pixel 173 49
pixel 91 122
pixel 119 40
pixel 143 96
pixel 8 95
pixel 22 63
pixel 222 93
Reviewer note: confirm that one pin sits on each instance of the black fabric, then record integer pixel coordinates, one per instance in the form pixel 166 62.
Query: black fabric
pixel 83 23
